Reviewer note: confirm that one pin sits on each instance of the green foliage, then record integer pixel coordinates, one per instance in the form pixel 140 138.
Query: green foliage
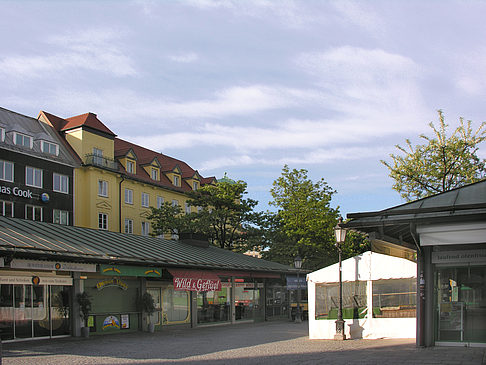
pixel 441 164
pixel 223 215
pixel 304 222
pixel 146 303
pixel 84 302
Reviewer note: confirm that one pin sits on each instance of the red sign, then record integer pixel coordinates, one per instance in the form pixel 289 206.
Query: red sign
pixel 193 280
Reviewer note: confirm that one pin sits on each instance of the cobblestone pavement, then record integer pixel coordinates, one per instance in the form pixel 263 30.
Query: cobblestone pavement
pixel 267 343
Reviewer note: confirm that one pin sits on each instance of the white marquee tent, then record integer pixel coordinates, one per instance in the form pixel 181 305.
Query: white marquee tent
pixel 372 283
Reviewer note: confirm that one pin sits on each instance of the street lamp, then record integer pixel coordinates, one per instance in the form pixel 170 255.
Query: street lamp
pixel 340 237
pixel 298 265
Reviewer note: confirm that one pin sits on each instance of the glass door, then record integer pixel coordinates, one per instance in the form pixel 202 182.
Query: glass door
pixel 156 295
pixel 461 304
pixel 23 311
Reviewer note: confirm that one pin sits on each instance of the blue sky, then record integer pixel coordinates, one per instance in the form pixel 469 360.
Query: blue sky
pixel 245 87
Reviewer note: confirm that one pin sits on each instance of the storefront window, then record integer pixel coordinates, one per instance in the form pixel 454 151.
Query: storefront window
pixel 245 297
pixel 214 306
pixel 354 300
pixel 33 311
pixel 395 298
pixel 175 306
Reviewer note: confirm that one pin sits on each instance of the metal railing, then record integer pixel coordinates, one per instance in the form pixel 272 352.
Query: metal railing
pixel 96 160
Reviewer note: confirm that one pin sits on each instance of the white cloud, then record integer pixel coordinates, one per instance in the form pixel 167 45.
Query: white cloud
pixel 123 105
pixel 290 13
pixel 91 50
pixel 356 13
pixel 471 72
pixel 184 57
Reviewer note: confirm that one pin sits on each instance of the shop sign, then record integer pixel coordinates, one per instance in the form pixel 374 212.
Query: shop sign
pixel 111 282
pixel 111 322
pixel 113 270
pixel 16 191
pixel 459 257
pixel 294 283
pixel 197 284
pixel 36 280
pixel 51 265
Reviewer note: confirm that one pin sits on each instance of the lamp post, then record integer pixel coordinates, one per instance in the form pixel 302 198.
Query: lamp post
pixel 340 237
pixel 298 265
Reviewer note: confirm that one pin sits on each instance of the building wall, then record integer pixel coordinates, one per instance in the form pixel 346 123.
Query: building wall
pixel 89 204
pixel 57 200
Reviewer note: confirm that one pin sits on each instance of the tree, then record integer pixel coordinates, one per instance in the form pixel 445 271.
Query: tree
pixel 223 215
pixel 304 223
pixel 441 164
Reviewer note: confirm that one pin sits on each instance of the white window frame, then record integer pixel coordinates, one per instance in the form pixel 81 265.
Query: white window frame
pixel 177 180
pixel 63 183
pixel 3 204
pixel 33 209
pixel 4 169
pixel 103 188
pixel 195 185
pixel 160 201
pixel 103 221
pixel 154 174
pixel 145 200
pixel 35 174
pixel 97 156
pixel 145 228
pixel 128 196
pixel 62 216
pixel 130 167
pixel 187 207
pixel 128 225
pixel 175 202
pixel 50 144
pixel 24 137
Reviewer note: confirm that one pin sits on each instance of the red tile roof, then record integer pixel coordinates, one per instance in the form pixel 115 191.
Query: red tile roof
pixel 89 120
pixel 122 147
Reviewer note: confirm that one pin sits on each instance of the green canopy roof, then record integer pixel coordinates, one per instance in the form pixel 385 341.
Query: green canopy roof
pixel 31 239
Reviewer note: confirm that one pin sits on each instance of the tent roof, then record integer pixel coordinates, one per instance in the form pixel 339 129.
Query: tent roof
pixel 367 266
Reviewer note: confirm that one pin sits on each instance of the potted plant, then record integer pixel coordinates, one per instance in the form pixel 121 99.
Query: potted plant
pixel 84 301
pixel 147 306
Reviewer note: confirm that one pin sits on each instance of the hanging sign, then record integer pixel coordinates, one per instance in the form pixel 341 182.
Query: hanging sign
pixel 293 283
pixel 51 265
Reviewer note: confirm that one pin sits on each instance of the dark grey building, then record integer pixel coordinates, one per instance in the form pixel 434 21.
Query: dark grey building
pixel 36 170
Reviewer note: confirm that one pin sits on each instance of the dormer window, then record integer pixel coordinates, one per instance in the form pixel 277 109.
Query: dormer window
pixel 131 167
pixel 155 174
pixel 23 140
pixel 195 185
pixel 50 148
pixel 177 180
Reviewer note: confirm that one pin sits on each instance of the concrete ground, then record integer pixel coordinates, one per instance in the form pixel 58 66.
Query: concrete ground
pixel 267 343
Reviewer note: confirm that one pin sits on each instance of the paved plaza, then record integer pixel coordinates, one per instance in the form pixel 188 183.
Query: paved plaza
pixel 262 343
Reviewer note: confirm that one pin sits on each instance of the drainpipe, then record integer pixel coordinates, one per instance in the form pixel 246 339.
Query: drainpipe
pixel 120 203
pixel 421 285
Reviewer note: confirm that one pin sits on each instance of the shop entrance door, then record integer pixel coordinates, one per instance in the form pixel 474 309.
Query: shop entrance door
pixel 461 305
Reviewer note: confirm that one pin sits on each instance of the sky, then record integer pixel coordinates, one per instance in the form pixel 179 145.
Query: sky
pixel 246 87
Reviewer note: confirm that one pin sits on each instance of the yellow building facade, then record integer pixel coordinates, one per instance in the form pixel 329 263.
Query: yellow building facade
pixel 119 181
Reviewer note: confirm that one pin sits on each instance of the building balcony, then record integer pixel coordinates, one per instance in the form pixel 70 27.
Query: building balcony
pixel 100 161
